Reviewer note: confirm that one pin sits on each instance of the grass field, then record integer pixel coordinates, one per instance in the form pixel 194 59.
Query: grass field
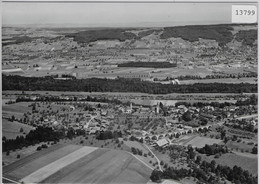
pixel 231 159
pixel 17 109
pixel 20 107
pixel 12 129
pixel 239 146
pixel 78 164
pixel 200 142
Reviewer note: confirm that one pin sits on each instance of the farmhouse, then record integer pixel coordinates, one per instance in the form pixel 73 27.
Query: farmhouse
pixel 162 143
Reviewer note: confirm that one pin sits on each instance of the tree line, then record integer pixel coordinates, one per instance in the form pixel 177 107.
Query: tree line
pixel 252 100
pixel 239 75
pixel 50 98
pixel 108 135
pixel 148 64
pixel 119 85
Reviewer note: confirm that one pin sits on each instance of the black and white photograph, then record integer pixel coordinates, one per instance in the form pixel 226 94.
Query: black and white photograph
pixel 111 92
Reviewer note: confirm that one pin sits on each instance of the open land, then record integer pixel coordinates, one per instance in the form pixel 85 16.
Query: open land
pixel 231 159
pixel 13 129
pixel 59 166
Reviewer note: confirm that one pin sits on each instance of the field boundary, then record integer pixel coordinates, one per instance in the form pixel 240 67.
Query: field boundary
pixel 54 167
pixel 160 168
pixel 140 160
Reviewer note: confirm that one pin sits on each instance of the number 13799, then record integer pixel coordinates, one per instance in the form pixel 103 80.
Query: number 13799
pixel 245 12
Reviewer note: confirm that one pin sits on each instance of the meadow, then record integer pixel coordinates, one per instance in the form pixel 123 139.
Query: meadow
pixel 12 129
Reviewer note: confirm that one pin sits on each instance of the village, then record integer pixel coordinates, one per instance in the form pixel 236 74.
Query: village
pixel 153 124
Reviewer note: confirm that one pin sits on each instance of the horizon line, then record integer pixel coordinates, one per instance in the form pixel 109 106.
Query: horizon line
pixel 115 26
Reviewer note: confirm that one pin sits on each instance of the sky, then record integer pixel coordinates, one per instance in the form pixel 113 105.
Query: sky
pixel 114 14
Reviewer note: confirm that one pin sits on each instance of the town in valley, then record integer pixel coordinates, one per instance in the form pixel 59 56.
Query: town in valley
pixel 130 105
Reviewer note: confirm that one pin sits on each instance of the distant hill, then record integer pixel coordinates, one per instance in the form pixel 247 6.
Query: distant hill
pixel 221 33
pixel 106 34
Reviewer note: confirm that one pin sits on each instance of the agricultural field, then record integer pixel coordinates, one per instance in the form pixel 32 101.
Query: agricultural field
pixel 78 164
pixel 240 146
pixel 200 142
pixel 148 159
pixel 17 109
pixel 12 129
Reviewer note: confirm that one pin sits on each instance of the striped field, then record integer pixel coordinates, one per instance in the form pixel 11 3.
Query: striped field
pixel 78 164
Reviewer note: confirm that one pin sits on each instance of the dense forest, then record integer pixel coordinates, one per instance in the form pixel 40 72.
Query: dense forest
pixel 103 34
pixel 118 85
pixel 248 37
pixel 148 64
pixel 221 33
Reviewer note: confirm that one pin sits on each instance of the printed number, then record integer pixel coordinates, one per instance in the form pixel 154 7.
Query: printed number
pixel 245 12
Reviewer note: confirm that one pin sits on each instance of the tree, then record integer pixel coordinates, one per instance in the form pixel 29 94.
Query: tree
pixel 223 134
pixel 134 151
pixel 141 140
pixel 13 118
pixel 21 129
pixel 4 138
pixel 187 116
pixel 254 150
pixel 156 175
pixel 212 165
pixel 161 163
pixel 154 138
pixel 198 159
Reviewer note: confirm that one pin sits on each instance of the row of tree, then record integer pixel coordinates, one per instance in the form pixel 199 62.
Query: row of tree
pixel 108 135
pixel 50 98
pixel 148 64
pixel 252 100
pixel 239 75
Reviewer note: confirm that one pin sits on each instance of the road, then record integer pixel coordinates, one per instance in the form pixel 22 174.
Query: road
pixel 247 116
pixel 160 168
pixel 140 160
pixel 92 117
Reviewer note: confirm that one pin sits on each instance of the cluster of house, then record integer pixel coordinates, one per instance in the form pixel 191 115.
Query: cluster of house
pixel 96 125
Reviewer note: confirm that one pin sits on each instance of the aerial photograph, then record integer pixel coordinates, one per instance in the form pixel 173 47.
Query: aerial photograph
pixel 117 93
